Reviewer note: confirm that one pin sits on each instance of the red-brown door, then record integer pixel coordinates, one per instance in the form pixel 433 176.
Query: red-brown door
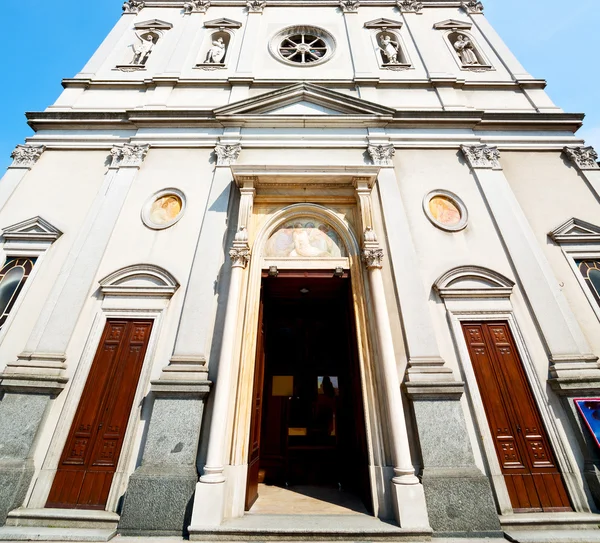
pixel 528 464
pixel 91 453
pixel 255 424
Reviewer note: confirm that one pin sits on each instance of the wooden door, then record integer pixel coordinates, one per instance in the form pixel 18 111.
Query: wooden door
pixel 528 464
pixel 91 453
pixel 255 423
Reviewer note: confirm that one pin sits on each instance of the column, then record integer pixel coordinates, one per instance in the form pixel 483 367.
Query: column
pixel 459 496
pixel 24 158
pixel 572 363
pixel 209 499
pixel 38 375
pixel 407 492
pixel 585 159
pixel 246 59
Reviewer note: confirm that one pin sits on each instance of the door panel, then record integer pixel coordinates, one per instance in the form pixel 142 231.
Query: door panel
pixel 527 461
pixel 92 450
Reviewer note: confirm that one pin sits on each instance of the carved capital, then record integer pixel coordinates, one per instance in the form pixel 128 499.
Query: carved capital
pixel 227 154
pixel 472 6
pixel 25 156
pixel 196 6
pixel 256 6
pixel 481 156
pixel 382 155
pixel 240 255
pixel 409 6
pixel 585 158
pixel 133 6
pixel 130 155
pixel 373 257
pixel 349 6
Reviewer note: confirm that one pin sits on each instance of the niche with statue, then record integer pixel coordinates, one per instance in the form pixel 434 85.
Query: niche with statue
pixel 145 37
pixel 216 48
pixel 467 52
pixel 390 51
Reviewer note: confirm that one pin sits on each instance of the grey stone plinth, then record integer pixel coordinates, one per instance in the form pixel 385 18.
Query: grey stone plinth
pixel 459 501
pixel 14 482
pixel 20 417
pixel 158 501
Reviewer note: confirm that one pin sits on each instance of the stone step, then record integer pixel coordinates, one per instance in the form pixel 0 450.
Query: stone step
pixel 28 533
pixel 306 528
pixel 63 518
pixel 553 536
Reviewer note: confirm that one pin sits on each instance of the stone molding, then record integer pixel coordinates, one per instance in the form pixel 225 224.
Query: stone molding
pixel 481 156
pixel 129 155
pixel 373 257
pixel 25 156
pixel 227 154
pixel 240 255
pixel 585 158
pixel 256 6
pixel 409 6
pixel 349 6
pixel 196 6
pixel 145 280
pixel 473 282
pixel 382 155
pixel 576 231
pixel 383 24
pixel 34 229
pixel 472 6
pixel 133 6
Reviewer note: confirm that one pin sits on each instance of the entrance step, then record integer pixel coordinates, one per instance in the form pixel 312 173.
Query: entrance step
pixel 354 527
pixel 525 522
pixel 63 518
pixel 26 533
pixel 553 536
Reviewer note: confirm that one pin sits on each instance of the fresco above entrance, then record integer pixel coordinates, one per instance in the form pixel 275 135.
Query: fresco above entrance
pixel 304 238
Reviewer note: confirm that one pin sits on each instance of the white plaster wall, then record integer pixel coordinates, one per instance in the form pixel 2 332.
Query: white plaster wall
pixel 550 191
pixel 60 188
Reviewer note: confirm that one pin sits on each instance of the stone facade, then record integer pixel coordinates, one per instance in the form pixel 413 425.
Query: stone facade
pixel 459 191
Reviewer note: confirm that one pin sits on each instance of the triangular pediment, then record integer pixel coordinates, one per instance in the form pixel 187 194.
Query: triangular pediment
pixel 576 231
pixel 452 24
pixel 222 23
pixel 34 229
pixel 154 24
pixel 383 23
pixel 306 96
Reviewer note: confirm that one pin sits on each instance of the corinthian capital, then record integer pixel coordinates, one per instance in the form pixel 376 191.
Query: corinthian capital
pixel 481 156
pixel 585 158
pixel 472 6
pixel 129 155
pixel 373 257
pixel 382 154
pixel 409 6
pixel 196 6
pixel 349 6
pixel 256 6
pixel 227 154
pixel 133 6
pixel 25 156
pixel 240 255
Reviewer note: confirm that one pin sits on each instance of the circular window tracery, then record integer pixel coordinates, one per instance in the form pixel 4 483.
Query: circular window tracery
pixel 302 45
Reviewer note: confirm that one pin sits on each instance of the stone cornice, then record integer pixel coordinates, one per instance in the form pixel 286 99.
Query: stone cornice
pixel 295 3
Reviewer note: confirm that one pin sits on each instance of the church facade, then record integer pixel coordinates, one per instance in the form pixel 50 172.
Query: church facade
pixel 343 247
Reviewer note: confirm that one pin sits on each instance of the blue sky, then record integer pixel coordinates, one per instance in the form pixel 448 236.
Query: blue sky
pixel 47 40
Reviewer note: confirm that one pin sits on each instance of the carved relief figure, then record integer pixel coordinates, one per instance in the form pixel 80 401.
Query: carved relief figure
pixel 389 49
pixel 142 51
pixel 465 50
pixel 216 53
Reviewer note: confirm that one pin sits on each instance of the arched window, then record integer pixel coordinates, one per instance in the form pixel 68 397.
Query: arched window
pixel 13 275
pixel 590 269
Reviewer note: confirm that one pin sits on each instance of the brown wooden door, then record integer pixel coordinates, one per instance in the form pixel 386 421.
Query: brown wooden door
pixel 528 464
pixel 255 423
pixel 91 453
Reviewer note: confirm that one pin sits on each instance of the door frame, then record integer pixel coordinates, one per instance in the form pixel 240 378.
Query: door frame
pixel 140 303
pixel 380 472
pixel 472 293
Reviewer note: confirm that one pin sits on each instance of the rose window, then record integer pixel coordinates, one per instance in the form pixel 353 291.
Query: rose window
pixel 302 45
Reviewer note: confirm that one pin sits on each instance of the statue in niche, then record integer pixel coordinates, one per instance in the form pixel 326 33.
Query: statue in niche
pixel 142 51
pixel 465 50
pixel 216 53
pixel 389 49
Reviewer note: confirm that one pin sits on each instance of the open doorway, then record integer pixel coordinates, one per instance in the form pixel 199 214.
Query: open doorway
pixel 307 438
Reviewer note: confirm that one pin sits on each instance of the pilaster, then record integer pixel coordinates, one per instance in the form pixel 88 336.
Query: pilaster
pixel 585 160
pixel 245 63
pixel 24 158
pixel 358 49
pixel 572 364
